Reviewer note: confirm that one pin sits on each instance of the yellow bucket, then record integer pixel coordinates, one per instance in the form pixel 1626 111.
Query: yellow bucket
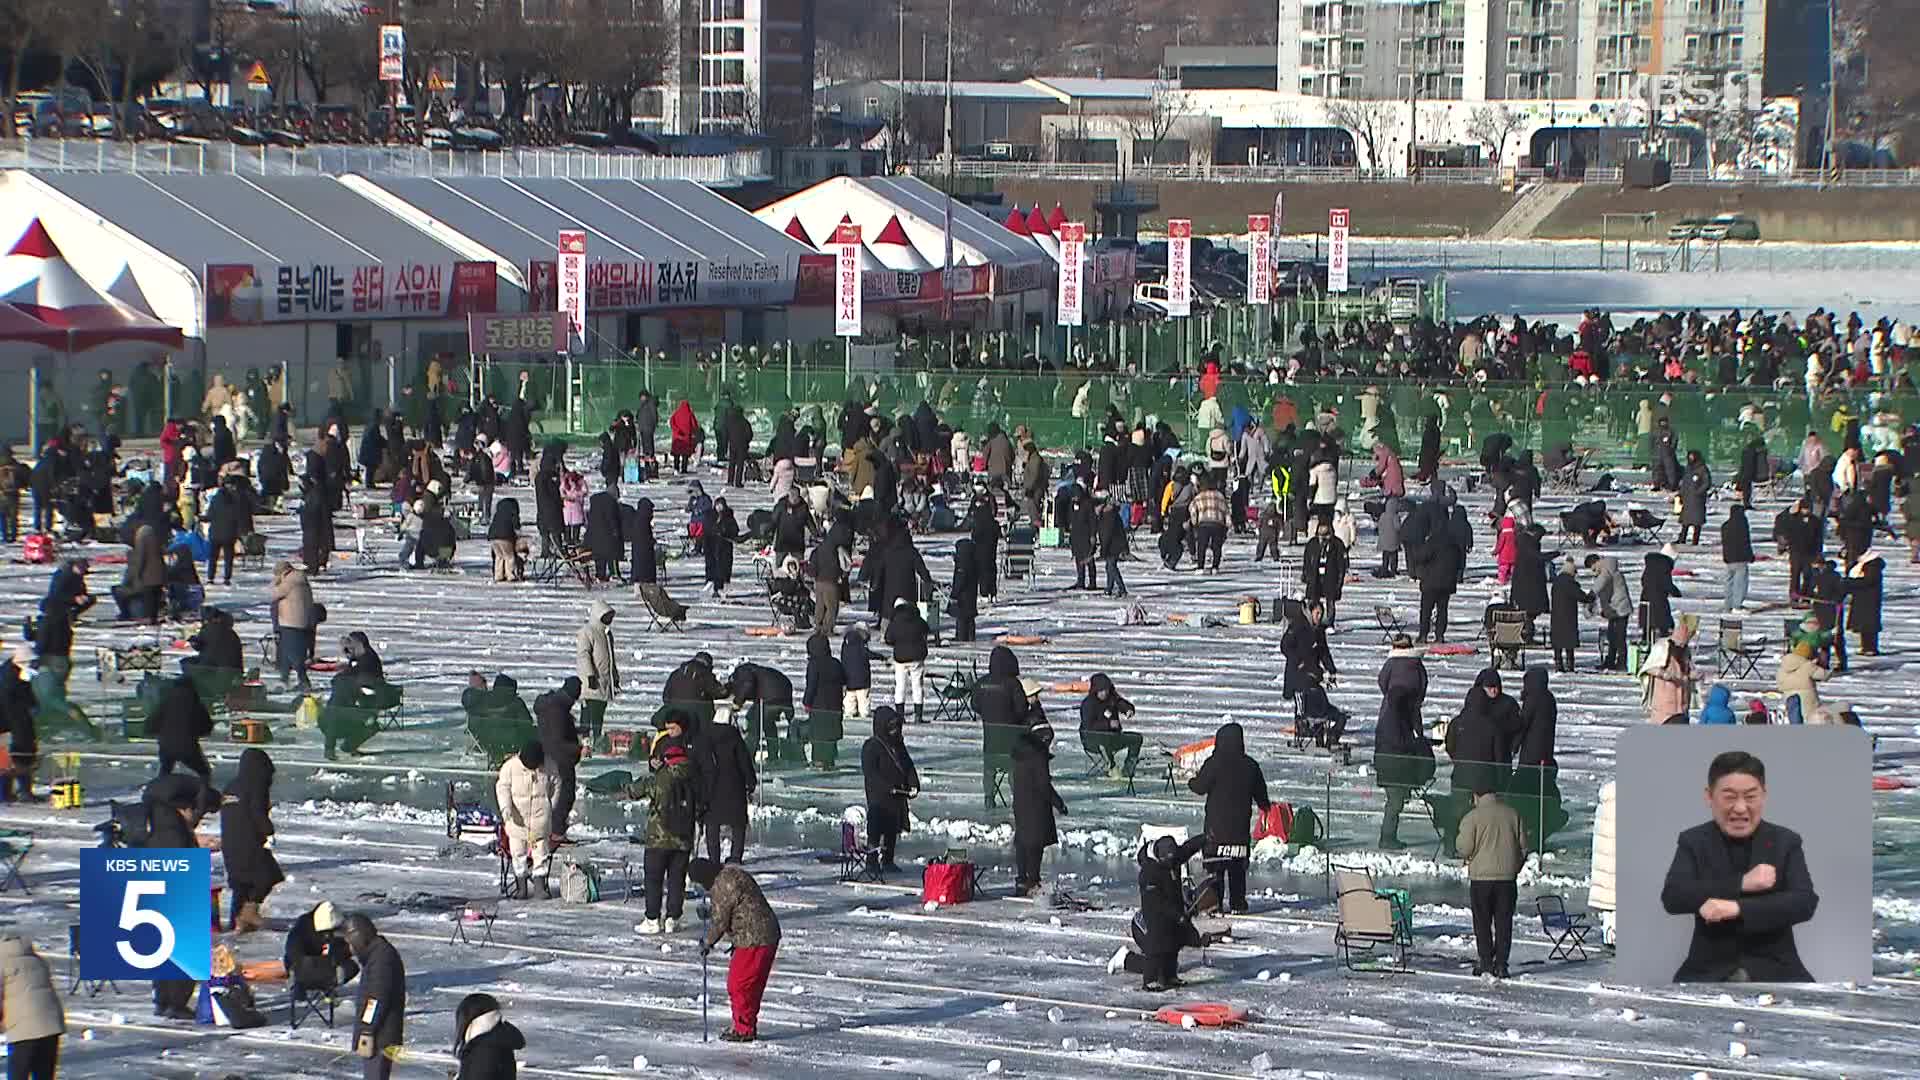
pixel 66 794
pixel 1249 611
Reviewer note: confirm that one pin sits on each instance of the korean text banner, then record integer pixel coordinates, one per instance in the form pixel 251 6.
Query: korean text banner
pixel 243 294
pixel 631 285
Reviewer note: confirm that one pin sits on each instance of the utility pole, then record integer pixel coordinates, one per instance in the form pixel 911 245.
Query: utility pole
pixel 1831 167
pixel 946 261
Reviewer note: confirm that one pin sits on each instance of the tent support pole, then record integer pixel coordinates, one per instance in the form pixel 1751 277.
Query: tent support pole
pixel 33 409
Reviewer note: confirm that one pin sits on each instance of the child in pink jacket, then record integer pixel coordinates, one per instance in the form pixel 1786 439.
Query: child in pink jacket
pixel 1505 549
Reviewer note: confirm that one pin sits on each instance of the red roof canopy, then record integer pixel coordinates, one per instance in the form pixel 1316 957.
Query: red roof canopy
pixel 893 233
pixel 1037 222
pixel 17 325
pixel 1017 222
pixel 1057 218
pixel 38 281
pixel 799 232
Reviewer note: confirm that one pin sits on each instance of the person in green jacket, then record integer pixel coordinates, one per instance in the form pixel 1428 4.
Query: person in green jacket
pixel 674 794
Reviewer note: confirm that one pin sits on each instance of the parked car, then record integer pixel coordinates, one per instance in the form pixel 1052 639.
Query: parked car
pixel 1151 297
pixel 1687 228
pixel 1730 227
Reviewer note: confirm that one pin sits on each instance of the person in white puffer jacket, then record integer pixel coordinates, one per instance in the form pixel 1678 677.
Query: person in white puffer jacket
pixel 524 791
pixel 1600 890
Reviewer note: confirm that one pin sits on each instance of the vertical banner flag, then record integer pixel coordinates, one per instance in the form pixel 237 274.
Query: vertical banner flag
pixel 1337 251
pixel 573 283
pixel 1179 267
pixel 393 52
pixel 1073 241
pixel 1259 259
pixel 846 295
pixel 1278 228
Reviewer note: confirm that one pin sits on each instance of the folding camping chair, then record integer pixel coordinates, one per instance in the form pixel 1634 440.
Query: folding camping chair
pixel 859 863
pixel 15 846
pixel 317 1002
pixel 1370 923
pixel 1737 657
pixel 1646 527
pixel 75 983
pixel 1507 632
pixel 953 694
pixel 1567 930
pixel 1016 554
pixel 1389 623
pixel 658 619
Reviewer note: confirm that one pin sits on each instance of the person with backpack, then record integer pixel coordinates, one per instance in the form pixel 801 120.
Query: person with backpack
pixel 484 1041
pixel 740 913
pixel 907 632
pixel 1668 677
pixel 524 791
pixel 671 817
pixel 246 830
pixel 1233 785
pixel 30 1011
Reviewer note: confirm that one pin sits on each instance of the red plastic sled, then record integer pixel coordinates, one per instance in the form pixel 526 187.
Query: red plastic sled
pixel 1204 1013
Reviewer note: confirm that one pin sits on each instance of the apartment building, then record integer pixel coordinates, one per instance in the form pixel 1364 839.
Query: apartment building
pixel 739 67
pixel 1477 50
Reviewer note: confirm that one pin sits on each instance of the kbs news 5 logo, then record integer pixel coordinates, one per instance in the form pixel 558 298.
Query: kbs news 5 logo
pixel 146 914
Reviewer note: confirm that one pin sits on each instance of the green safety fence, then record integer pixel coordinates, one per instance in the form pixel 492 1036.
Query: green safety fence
pixel 1608 424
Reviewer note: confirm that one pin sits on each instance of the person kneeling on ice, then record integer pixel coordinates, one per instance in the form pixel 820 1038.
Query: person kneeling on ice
pixel 524 791
pixel 1162 926
pixel 740 912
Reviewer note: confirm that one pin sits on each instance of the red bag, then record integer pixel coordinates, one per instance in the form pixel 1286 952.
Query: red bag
pixel 947 883
pixel 1137 515
pixel 1276 821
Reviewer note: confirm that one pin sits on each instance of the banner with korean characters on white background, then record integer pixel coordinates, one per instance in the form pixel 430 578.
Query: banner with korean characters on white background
pixel 1072 295
pixel 1179 267
pixel 1259 258
pixel 572 282
pixel 846 281
pixel 393 52
pixel 1337 250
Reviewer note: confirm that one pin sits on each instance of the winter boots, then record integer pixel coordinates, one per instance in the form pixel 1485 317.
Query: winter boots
pixel 541 891
pixel 248 919
pixel 919 713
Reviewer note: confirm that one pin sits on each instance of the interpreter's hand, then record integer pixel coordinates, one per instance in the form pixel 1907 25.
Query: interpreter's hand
pixel 1715 911
pixel 1759 879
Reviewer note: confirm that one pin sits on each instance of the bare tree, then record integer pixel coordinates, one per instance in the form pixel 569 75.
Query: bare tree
pixel 341 50
pixel 1730 123
pixel 26 25
pixel 1368 121
pixel 619 50
pixel 1493 125
pixel 1151 125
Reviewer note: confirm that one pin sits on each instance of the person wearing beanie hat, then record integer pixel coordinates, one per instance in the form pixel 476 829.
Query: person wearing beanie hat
pixel 1657 591
pixel 740 913
pixel 317 957
pixel 1799 679
pixel 672 815
pixel 524 791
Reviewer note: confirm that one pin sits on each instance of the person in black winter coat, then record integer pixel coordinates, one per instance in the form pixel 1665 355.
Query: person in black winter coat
pixel 1304 647
pixel 792 524
pixel 723 532
pixel 1529 590
pixel 1536 783
pixel 902 573
pixel 604 537
pixel 1755 468
pixel 767 697
pixel 1736 551
pixel 824 699
pixel 985 535
pixel 178 724
pixel 560 739
pixel 1657 591
pixel 549 510
pixel 1429 448
pixel 484 1041
pixel 1484 737
pixel 728 771
pixel 963 598
pixel 1323 570
pixel 694 687
pixel 245 828
pixel 1035 801
pixel 173 806
pixel 998 697
pixel 379 1016
pixel 856 663
pixel 886 767
pixel 1162 926
pixel 17 708
pixel 1112 527
pixel 316 527
pixel 1103 713
pixel 907 632
pixel 1233 785
pixel 1439 572
pixel 1403 755
pixel 316 956
pixel 1865 591
pixel 1083 538
pixel 229 519
pixel 1564 627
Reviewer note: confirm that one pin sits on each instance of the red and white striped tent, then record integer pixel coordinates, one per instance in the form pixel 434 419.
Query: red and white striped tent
pixel 37 282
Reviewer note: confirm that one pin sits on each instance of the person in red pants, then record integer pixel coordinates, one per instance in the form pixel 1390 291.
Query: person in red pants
pixel 741 913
